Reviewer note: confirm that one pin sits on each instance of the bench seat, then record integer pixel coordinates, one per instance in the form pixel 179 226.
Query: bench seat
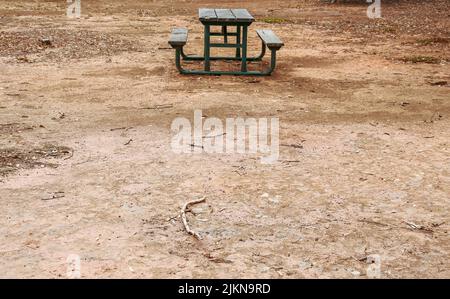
pixel 178 37
pixel 270 39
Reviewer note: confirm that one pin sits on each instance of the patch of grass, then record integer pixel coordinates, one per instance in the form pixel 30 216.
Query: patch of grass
pixel 433 40
pixel 388 29
pixel 271 20
pixel 13 159
pixel 421 59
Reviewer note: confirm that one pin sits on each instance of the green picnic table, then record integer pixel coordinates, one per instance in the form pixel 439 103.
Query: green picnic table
pixel 239 19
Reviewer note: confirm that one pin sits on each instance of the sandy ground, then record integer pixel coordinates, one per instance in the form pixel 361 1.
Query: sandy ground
pixel 364 163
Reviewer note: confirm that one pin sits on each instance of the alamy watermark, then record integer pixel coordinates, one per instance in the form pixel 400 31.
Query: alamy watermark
pixel 238 135
pixel 374 268
pixel 73 9
pixel 73 266
pixel 374 9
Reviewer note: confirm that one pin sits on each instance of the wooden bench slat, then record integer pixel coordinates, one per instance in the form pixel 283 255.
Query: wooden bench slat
pixel 178 37
pixel 207 14
pixel 269 38
pixel 242 15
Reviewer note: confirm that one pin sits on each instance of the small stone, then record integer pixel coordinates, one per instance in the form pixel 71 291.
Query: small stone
pixel 46 41
pixel 303 265
pixel 274 199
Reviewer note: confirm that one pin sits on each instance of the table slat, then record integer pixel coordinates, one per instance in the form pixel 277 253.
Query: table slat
pixel 242 15
pixel 239 15
pixel 207 14
pixel 224 15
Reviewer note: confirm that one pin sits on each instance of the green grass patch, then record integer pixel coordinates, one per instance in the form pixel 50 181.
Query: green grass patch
pixel 421 59
pixel 271 20
pixel 388 29
pixel 433 40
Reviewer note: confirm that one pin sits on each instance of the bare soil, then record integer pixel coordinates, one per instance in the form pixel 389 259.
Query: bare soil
pixel 364 109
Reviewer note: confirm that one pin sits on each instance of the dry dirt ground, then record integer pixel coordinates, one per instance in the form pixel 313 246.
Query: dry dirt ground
pixel 364 167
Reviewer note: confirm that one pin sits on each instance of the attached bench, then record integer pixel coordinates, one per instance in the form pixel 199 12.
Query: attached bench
pixel 269 39
pixel 178 38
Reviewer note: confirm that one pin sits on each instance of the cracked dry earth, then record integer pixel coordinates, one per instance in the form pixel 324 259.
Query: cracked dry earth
pixel 86 168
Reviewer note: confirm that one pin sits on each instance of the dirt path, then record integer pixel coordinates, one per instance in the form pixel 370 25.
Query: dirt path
pixel 86 170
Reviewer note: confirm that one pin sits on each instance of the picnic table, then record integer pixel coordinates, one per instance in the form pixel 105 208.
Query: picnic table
pixel 240 19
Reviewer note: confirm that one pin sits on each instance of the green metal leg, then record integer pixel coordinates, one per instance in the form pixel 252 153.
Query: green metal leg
pixel 266 72
pixel 244 49
pixel 207 47
pixel 263 52
pixel 238 41
pixel 256 58
pixel 273 61
pixel 225 34
pixel 178 60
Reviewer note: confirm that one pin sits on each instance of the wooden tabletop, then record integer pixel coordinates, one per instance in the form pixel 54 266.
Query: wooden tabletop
pixel 222 15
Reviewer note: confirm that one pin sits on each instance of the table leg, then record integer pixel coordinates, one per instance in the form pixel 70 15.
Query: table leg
pixel 244 48
pixel 225 34
pixel 238 41
pixel 207 47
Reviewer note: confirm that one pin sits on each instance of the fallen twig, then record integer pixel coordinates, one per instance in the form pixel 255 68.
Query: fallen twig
pixel 216 259
pixel 183 216
pixel 158 107
pixel 115 129
pixel 173 218
pixel 413 226
pixel 293 145
pixel 121 128
pixel 55 195
pixel 70 156
pixel 128 142
pixel 438 83
pixel 373 222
